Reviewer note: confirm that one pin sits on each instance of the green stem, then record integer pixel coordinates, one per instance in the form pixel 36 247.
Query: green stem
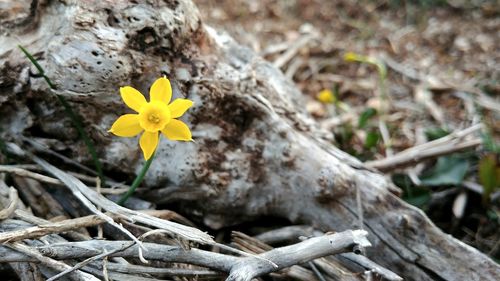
pixel 72 115
pixel 137 181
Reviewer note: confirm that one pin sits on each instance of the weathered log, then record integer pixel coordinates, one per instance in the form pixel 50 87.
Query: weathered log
pixel 256 153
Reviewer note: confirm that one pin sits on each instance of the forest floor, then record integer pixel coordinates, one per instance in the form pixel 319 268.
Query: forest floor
pixel 392 76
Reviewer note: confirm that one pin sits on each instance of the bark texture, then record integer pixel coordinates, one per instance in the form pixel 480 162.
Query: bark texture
pixel 257 153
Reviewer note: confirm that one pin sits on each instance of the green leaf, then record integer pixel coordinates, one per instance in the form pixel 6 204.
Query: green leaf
pixel 420 200
pixel 365 116
pixel 489 174
pixel 371 139
pixel 449 170
pixel 382 70
pixel 492 215
pixel 436 133
pixel 415 195
pixel 489 143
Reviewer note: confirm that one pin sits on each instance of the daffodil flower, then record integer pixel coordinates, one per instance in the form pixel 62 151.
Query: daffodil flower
pixel 153 117
pixel 326 96
pixel 353 57
pixel 350 56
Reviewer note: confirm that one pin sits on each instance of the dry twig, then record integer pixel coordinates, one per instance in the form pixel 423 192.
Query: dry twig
pixel 11 207
pixel 240 268
pixel 294 48
pixel 50 228
pixel 449 144
pixel 56 265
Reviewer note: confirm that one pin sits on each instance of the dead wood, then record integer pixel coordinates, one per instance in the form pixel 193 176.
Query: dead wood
pixel 239 268
pixel 257 152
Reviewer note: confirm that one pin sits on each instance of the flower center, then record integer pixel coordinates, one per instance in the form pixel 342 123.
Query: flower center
pixel 154 115
pixel 154 118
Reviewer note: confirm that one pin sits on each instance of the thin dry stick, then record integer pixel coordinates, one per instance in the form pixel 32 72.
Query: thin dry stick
pixel 39 147
pixel 56 265
pixel 360 208
pixel 386 138
pixel 291 233
pixel 276 48
pixel 90 248
pixel 105 269
pixel 316 271
pixel 313 248
pixel 442 146
pixel 119 276
pixel 286 56
pixel 50 228
pixel 370 265
pixel 134 269
pixel 480 97
pixel 70 183
pixel 73 184
pixel 87 261
pixel 43 148
pixel 13 201
pixel 23 172
pixel 98 189
pixel 238 266
pixel 84 194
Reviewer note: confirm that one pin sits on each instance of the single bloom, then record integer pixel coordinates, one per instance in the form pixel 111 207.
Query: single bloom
pixel 326 96
pixel 350 56
pixel 157 115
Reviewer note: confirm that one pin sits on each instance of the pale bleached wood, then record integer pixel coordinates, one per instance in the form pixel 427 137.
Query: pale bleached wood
pixel 239 268
pixel 257 153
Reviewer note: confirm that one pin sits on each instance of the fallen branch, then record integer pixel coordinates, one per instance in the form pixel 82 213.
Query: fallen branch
pixel 50 228
pixel 446 145
pixel 297 272
pixel 240 268
pixel 294 233
pixel 249 268
pixel 56 265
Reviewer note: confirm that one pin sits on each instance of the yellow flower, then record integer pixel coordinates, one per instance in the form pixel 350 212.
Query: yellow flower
pixel 153 117
pixel 326 96
pixel 350 56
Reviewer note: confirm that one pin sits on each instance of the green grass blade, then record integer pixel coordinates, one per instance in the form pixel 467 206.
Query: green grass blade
pixel 72 115
pixel 137 181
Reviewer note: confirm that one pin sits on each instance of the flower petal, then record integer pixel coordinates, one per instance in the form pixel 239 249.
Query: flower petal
pixel 179 106
pixel 161 90
pixel 148 143
pixel 126 126
pixel 132 98
pixel 177 130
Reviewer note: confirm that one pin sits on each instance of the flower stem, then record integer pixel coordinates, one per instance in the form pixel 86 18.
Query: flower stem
pixel 71 114
pixel 137 181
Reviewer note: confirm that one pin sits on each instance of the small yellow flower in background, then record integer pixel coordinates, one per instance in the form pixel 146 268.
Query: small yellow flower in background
pixel 350 56
pixel 326 96
pixel 381 68
pixel 153 117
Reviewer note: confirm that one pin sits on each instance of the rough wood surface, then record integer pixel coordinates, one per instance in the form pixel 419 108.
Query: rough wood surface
pixel 239 268
pixel 256 153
